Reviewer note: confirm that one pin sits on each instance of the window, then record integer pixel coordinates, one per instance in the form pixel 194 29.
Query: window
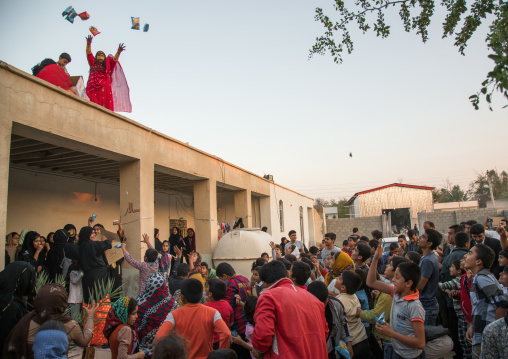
pixel 301 223
pixel 281 216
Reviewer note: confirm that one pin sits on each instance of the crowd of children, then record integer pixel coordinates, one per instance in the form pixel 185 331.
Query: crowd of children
pixel 418 298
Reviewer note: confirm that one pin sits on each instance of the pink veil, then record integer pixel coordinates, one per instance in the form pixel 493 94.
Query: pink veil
pixel 120 90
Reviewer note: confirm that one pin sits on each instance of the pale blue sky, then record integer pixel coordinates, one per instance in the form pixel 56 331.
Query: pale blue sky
pixel 233 79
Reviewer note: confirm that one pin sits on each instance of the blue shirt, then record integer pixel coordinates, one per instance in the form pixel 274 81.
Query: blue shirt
pixel 429 266
pixel 364 303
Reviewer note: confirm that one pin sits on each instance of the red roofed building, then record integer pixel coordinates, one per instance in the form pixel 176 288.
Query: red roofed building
pixel 402 202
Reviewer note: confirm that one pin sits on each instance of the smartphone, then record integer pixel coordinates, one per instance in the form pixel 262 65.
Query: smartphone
pixel 116 222
pixel 233 334
pixel 93 217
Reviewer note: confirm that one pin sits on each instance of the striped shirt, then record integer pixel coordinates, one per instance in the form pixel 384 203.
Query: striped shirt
pixel 452 285
pixel 240 285
pixel 486 296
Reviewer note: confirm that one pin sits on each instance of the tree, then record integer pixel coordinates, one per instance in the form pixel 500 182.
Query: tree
pixel 479 188
pixel 416 16
pixel 450 194
pixel 342 212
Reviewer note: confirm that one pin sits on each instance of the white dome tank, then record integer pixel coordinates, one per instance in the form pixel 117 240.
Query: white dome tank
pixel 241 247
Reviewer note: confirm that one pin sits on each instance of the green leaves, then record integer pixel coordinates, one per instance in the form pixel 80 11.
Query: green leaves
pixel 369 15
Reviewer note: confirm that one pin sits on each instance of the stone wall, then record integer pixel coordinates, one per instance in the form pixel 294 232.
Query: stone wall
pixel 343 227
pixel 443 220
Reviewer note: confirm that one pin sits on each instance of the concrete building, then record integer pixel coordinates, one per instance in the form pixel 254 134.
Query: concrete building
pixel 64 158
pixel 400 202
pixel 331 212
pixel 455 206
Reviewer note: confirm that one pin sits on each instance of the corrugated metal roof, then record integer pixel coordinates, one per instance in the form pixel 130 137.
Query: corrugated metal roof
pixel 350 201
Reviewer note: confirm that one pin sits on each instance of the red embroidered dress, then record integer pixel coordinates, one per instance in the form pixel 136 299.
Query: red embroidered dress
pixel 107 85
pixel 98 87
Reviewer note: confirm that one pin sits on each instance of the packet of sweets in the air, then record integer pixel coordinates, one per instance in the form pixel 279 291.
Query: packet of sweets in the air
pixel 94 31
pixel 67 11
pixel 146 27
pixel 70 14
pixel 135 23
pixel 84 15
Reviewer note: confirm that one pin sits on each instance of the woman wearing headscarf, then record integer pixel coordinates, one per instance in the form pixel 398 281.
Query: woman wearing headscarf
pixel 31 250
pixel 158 243
pixel 164 260
pixel 11 246
pixel 119 331
pixel 55 255
pixel 72 232
pixel 342 262
pixel 22 237
pixel 91 260
pixel 175 239
pixel 49 304
pixel 154 304
pixel 189 243
pixel 17 282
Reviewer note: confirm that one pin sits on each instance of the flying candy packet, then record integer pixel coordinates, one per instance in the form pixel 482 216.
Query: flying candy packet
pixel 381 319
pixel 94 31
pixel 145 28
pixel 342 349
pixel 70 14
pixel 84 16
pixel 135 23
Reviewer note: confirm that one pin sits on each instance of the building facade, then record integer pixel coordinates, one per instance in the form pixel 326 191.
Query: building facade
pixel 64 158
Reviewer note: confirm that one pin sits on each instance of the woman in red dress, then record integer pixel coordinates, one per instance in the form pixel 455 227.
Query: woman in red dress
pixel 106 85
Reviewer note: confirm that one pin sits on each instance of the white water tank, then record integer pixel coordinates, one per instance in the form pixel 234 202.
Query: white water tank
pixel 241 247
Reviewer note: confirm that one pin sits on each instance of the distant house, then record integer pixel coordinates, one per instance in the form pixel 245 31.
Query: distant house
pixel 331 212
pixel 455 206
pixel 401 202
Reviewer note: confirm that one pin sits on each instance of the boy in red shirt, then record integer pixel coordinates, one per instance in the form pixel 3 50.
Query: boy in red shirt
pixel 195 322
pixel 215 292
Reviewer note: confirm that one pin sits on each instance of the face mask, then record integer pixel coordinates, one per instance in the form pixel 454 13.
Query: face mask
pixel 100 57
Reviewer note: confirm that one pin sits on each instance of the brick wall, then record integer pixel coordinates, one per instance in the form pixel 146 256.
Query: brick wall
pixel 343 227
pixel 443 220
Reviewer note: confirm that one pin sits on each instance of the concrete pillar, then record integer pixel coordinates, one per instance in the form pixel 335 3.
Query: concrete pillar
pixel 205 212
pixel 5 149
pixel 137 214
pixel 243 207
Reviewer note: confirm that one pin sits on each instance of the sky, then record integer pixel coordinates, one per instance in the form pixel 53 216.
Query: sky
pixel 233 78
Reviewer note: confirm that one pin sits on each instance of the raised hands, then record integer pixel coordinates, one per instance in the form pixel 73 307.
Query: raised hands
pixel 91 309
pixel 89 39
pixel 178 252
pixel 379 251
pixel 121 48
pixel 193 257
pixel 146 238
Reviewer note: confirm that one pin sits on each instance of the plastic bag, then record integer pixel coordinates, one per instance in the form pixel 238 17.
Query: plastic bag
pixel 94 31
pixel 342 349
pixel 381 319
pixel 84 15
pixel 135 23
pixel 146 27
pixel 70 14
